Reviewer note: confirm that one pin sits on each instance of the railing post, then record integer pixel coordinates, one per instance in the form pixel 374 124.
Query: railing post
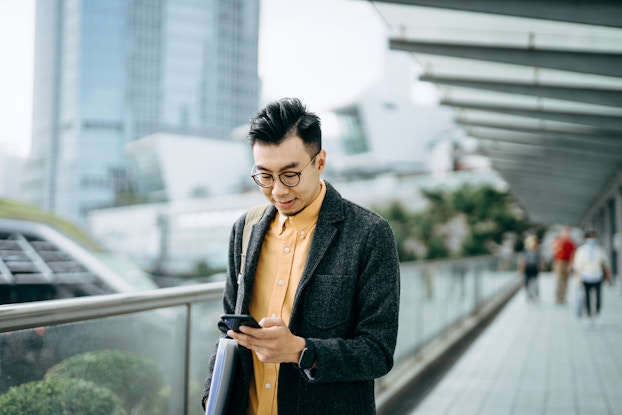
pixel 188 336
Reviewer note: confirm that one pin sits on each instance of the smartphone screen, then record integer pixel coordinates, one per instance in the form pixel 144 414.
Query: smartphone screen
pixel 234 321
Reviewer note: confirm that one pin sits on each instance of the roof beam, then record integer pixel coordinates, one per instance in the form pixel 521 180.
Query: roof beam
pixel 595 136
pixel 566 198
pixel 550 159
pixel 583 147
pixel 598 96
pixel 593 12
pixel 556 200
pixel 554 172
pixel 526 166
pixel 573 167
pixel 605 122
pixel 554 193
pixel 600 63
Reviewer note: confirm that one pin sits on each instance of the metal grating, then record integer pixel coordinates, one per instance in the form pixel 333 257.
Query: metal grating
pixel 33 269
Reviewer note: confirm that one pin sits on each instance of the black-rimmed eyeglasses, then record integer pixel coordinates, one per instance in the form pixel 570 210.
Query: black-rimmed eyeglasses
pixel 288 178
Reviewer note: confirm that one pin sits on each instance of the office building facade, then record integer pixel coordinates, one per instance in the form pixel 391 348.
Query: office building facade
pixel 108 72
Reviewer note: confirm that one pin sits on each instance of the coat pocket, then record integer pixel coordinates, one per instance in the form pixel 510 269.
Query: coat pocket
pixel 328 301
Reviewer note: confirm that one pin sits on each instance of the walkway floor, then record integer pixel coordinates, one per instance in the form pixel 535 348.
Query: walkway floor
pixel 538 358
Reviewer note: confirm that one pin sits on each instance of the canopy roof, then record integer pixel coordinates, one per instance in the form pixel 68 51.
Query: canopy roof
pixel 537 84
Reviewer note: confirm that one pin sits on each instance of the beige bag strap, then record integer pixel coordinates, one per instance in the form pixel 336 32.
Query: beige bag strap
pixel 253 216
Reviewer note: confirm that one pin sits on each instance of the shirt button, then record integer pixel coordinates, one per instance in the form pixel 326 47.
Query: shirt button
pixel 286 250
pixel 268 386
pixel 273 315
pixel 281 282
pixel 302 233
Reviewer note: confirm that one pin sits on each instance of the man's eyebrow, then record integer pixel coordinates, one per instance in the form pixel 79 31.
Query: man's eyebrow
pixel 286 167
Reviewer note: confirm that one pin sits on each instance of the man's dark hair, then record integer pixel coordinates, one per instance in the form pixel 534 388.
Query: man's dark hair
pixel 285 118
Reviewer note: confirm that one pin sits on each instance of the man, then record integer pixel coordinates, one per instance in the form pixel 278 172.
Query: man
pixel 591 266
pixel 563 249
pixel 321 277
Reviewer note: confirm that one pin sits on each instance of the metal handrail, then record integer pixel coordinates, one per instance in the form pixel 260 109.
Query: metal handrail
pixel 53 312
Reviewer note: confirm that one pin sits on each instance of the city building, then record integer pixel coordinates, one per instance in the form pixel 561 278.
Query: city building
pixel 108 72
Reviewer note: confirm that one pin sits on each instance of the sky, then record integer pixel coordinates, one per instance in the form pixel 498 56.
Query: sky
pixel 324 51
pixel 16 53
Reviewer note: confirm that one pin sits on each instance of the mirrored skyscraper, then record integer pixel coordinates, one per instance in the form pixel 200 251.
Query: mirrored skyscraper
pixel 108 72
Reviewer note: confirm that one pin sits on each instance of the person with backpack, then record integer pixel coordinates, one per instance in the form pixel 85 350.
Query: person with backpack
pixel 530 264
pixel 591 267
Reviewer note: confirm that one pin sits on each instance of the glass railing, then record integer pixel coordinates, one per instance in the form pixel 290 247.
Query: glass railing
pixel 148 351
pixel 436 295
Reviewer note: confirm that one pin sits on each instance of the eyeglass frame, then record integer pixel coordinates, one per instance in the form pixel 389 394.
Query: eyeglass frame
pixel 297 173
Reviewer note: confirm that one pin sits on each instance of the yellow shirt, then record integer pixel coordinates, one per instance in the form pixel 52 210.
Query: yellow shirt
pixel 282 260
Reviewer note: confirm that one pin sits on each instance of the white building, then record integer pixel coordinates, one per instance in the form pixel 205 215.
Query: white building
pixel 170 167
pixel 172 237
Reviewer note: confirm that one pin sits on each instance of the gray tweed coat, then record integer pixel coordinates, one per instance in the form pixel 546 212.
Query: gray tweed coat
pixel 347 305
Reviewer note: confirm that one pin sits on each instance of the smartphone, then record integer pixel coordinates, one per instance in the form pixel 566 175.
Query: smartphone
pixel 234 321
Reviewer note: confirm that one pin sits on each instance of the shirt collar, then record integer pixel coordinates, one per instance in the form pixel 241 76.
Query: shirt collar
pixel 307 217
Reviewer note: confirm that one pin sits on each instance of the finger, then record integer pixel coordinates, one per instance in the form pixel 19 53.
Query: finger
pixel 250 331
pixel 242 340
pixel 271 322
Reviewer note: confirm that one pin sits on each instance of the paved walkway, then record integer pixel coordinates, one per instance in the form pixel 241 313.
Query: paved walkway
pixel 538 358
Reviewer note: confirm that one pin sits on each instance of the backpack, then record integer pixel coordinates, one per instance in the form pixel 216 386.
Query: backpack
pixel 532 262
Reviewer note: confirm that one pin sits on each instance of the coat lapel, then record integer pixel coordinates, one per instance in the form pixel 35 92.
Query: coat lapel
pixel 331 214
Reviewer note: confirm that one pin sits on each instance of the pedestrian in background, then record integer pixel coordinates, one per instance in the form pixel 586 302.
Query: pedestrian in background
pixel 591 266
pixel 563 248
pixel 530 264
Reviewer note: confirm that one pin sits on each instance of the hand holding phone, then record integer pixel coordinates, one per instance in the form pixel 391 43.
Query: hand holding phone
pixel 234 321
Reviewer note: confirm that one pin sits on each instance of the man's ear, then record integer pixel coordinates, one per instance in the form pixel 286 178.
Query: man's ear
pixel 321 161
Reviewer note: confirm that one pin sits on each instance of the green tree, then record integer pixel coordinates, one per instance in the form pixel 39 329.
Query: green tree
pixel 489 213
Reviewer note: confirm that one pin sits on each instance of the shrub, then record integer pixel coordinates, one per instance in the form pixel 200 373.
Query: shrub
pixel 60 396
pixel 134 378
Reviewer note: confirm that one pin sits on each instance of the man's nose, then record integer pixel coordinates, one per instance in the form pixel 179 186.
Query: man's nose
pixel 278 188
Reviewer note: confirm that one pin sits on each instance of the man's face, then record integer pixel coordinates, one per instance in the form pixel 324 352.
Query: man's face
pixel 289 156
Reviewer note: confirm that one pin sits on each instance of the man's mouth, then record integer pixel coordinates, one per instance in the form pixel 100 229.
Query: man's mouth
pixel 287 204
